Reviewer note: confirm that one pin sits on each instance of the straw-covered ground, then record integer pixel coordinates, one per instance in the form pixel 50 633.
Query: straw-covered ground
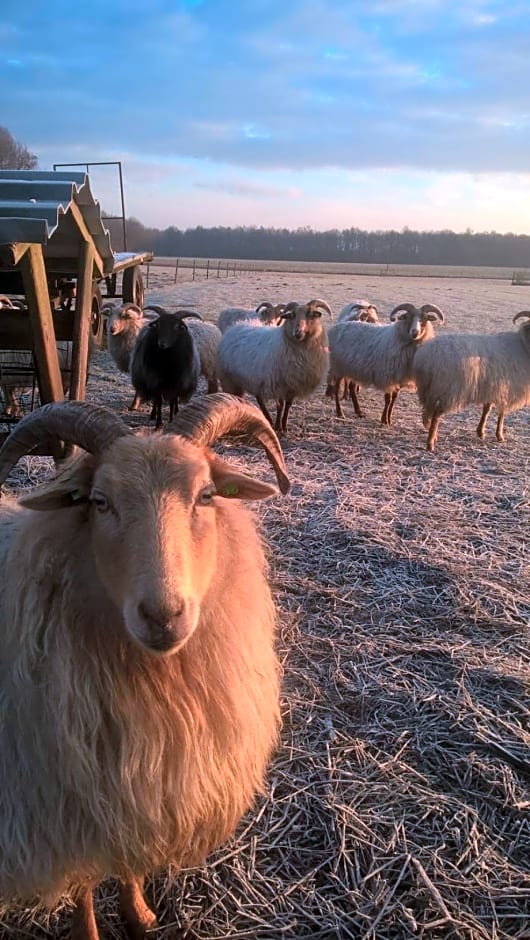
pixel 398 804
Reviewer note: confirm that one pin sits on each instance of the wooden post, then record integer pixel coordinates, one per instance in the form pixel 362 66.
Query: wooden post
pixel 176 271
pixel 193 276
pixel 147 275
pixel 207 269
pixel 40 315
pixel 218 267
pixel 82 322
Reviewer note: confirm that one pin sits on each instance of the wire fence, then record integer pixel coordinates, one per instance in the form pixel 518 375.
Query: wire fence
pixel 203 268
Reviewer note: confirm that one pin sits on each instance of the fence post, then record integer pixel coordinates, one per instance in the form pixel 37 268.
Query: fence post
pixel 227 269
pixel 193 275
pixel 176 271
pixel 218 267
pixel 208 269
pixel 147 276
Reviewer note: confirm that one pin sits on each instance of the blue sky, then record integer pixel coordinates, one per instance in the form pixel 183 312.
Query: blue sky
pixel 325 113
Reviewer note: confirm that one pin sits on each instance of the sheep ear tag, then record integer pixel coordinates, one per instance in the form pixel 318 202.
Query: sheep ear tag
pixel 232 484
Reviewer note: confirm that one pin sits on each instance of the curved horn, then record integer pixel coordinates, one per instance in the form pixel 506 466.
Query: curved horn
pixel 265 303
pixel 432 308
pixel 522 313
pixel 130 306
pixel 206 419
pixel 5 301
pixel 322 305
pixel 92 427
pixel 156 307
pixel 187 313
pixel 410 308
pixel 292 305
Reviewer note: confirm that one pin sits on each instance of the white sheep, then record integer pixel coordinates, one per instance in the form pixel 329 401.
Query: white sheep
pixel 267 313
pixel 279 362
pixel 365 312
pixel 123 326
pixel 461 369
pixel 361 310
pixel 139 699
pixel 380 355
pixel 206 337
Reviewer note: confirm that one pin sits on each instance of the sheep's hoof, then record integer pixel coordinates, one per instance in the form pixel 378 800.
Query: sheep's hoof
pixel 137 916
pixel 500 438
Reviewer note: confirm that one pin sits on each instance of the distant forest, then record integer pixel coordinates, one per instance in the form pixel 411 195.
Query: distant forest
pixel 350 245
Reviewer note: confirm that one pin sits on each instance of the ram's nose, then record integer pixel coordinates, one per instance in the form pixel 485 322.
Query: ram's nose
pixel 164 627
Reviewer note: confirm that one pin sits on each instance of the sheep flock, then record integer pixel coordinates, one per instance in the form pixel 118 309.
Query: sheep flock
pixel 396 802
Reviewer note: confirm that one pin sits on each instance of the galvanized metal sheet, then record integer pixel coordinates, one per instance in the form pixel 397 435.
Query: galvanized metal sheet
pixel 35 204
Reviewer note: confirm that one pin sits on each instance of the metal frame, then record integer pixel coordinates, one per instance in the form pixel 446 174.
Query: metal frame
pixel 117 163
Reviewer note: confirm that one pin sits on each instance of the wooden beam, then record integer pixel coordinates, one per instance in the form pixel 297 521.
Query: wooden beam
pixel 10 255
pixel 40 314
pixel 86 236
pixel 82 322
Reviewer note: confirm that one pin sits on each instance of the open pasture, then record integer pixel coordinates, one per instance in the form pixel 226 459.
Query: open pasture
pixel 398 804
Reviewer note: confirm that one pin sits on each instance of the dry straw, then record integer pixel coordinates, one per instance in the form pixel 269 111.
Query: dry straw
pixel 398 805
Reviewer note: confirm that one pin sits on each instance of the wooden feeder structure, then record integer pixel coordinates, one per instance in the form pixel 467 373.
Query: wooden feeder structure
pixel 54 252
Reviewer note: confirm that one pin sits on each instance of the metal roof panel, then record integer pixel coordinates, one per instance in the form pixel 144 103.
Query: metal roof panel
pixel 32 203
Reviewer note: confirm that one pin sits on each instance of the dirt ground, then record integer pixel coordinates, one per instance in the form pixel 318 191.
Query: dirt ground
pixel 398 805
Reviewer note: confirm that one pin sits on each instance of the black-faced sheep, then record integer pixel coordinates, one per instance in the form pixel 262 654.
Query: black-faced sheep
pixel 461 369
pixel 165 364
pixel 381 356
pixel 266 313
pixel 281 362
pixel 139 683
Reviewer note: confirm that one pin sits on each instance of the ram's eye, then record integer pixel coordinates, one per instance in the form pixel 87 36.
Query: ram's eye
pixel 205 497
pixel 100 502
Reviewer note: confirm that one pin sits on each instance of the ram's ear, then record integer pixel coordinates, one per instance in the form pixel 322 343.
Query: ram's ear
pixel 232 484
pixel 69 488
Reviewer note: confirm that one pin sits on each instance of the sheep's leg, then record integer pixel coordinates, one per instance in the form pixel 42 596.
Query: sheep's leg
pixel 354 388
pixel 137 916
pixel 432 436
pixel 499 433
pixel 286 409
pixel 173 408
pixel 391 406
pixel 384 416
pixel 483 418
pixel 213 386
pixel 279 415
pixel 338 407
pixel 264 408
pixel 136 402
pixel 83 926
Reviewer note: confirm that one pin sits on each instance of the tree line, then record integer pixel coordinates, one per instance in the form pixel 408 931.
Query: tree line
pixel 354 244
pixel 445 247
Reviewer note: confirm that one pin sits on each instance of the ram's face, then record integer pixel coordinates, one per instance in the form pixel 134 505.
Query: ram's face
pixel 154 536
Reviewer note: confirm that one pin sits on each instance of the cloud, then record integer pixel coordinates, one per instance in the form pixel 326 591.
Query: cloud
pixel 242 188
pixel 272 90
